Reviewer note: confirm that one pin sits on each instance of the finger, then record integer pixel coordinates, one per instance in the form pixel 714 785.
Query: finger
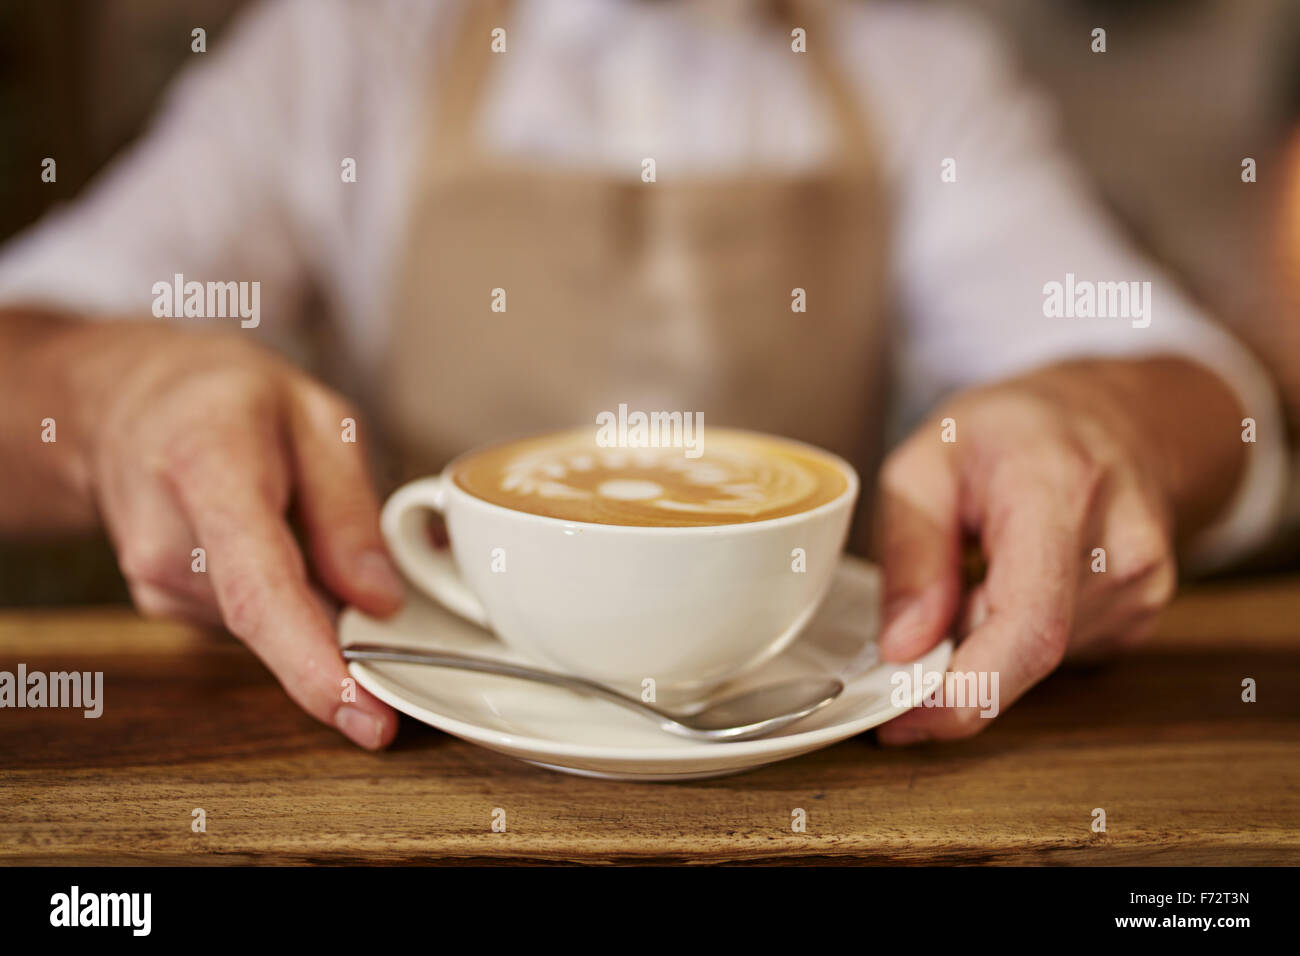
pixel 151 537
pixel 1127 570
pixel 918 540
pixel 155 602
pixel 338 506
pixel 1032 534
pixel 260 578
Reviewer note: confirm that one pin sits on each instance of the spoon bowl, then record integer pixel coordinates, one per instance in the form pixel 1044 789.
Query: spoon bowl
pixel 762 710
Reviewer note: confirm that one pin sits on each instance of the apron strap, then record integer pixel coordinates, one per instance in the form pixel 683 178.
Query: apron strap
pixel 461 80
pixel 854 144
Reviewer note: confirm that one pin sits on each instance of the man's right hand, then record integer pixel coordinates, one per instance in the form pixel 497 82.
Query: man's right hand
pixel 189 440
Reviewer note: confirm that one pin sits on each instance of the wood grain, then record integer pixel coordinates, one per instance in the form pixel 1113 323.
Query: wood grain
pixel 1186 772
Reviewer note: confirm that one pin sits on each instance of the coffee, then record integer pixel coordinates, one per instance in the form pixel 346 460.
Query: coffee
pixel 740 477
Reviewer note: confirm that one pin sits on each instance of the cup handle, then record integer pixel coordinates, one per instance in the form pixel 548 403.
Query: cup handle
pixel 403 521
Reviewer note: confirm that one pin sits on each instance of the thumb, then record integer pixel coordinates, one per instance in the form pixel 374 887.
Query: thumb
pixel 918 542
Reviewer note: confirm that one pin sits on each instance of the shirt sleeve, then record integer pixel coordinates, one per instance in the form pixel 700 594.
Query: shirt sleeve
pixel 203 193
pixel 973 256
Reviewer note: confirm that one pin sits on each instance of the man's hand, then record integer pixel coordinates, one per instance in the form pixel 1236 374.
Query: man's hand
pixel 183 440
pixel 1122 456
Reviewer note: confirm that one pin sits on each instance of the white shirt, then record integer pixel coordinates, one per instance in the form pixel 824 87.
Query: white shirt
pixel 239 178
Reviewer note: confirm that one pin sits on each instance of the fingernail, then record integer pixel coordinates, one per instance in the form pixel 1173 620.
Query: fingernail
pixel 359 727
pixel 376 573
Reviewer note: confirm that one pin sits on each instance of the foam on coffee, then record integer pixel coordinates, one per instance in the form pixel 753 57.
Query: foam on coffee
pixel 740 477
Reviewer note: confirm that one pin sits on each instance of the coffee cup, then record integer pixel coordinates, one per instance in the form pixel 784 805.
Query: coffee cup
pixel 631 564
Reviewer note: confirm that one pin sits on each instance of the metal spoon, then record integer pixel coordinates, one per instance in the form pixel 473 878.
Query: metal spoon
pixel 751 714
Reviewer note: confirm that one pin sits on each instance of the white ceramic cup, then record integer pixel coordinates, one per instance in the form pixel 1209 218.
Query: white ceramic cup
pixel 688 607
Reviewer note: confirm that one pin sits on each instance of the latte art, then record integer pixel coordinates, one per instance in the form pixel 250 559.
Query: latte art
pixel 741 477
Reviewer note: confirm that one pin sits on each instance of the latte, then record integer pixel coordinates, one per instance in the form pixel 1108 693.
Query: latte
pixel 741 477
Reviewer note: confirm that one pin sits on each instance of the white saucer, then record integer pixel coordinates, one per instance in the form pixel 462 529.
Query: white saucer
pixel 564 731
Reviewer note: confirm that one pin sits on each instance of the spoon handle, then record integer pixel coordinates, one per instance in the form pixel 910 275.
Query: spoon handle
pixel 380 652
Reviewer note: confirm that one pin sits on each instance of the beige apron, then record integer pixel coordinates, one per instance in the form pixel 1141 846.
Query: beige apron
pixel 666 296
